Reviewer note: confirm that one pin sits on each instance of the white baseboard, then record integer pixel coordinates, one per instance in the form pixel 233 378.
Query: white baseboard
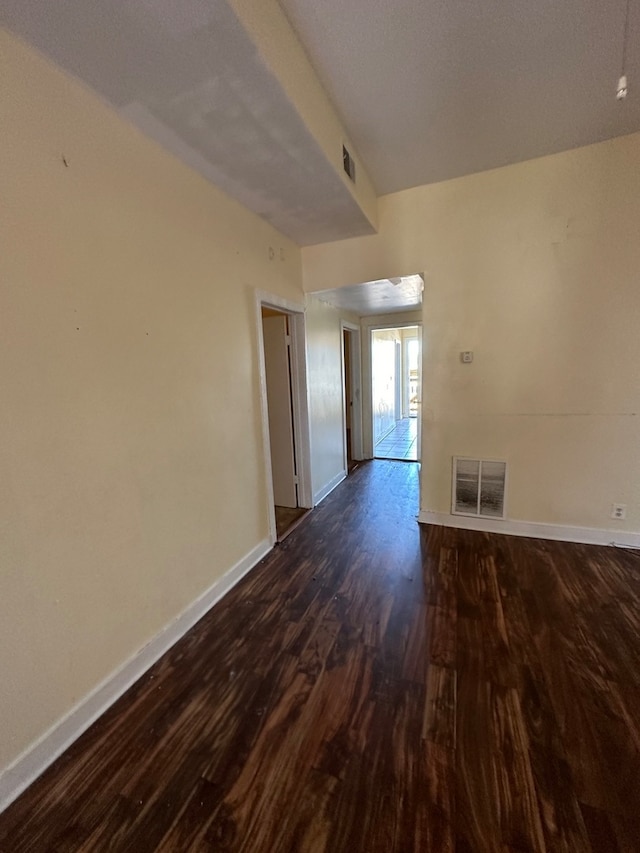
pixel 533 529
pixel 329 487
pixel 15 778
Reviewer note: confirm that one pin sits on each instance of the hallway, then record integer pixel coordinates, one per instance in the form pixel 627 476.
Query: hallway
pixel 401 442
pixel 373 686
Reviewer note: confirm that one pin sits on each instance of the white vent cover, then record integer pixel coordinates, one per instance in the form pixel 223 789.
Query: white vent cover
pixel 478 487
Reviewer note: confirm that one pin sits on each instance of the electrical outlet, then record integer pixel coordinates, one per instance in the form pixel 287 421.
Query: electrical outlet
pixel 466 357
pixel 618 511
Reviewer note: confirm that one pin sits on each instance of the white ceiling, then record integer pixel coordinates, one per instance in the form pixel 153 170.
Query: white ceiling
pixel 435 89
pixel 384 296
pixel 427 89
pixel 187 74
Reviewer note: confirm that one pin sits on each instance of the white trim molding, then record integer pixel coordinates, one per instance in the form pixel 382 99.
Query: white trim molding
pixel 355 379
pixel 300 401
pixel 322 493
pixel 369 325
pixel 533 529
pixel 16 777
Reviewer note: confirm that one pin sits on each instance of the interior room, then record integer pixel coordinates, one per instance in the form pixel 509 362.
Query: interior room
pixel 233 616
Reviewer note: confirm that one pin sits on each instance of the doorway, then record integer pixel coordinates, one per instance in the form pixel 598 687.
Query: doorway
pixel 352 397
pixel 395 392
pixel 284 414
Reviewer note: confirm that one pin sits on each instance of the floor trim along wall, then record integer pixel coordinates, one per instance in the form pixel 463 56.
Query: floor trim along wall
pixel 329 487
pixel 533 529
pixel 15 778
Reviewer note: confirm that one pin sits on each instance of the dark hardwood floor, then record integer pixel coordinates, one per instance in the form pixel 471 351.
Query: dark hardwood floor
pixel 379 687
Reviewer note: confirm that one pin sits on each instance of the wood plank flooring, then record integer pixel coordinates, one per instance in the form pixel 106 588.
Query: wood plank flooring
pixel 374 686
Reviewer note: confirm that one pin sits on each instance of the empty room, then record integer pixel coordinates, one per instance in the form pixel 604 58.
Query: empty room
pixel 320 431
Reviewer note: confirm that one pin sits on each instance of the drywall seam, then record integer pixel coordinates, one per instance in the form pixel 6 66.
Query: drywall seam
pixel 283 53
pixel 534 529
pixel 17 776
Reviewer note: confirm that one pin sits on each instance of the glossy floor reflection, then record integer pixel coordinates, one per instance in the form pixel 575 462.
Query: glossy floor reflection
pixel 373 686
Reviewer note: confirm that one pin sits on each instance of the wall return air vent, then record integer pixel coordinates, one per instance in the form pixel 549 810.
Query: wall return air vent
pixel 478 487
pixel 349 164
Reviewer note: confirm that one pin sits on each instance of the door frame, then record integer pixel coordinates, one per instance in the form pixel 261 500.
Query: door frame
pixel 355 352
pixel 367 379
pixel 299 400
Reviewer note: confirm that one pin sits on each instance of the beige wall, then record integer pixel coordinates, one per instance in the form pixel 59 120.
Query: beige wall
pixel 534 267
pixel 131 461
pixel 326 418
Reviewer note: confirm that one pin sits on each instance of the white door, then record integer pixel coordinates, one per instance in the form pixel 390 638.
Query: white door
pixel 278 377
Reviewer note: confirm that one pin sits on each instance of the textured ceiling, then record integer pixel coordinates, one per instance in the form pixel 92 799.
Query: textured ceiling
pixel 435 89
pixel 427 89
pixel 187 74
pixel 385 296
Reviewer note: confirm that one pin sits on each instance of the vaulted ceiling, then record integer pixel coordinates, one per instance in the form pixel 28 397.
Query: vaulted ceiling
pixel 436 89
pixel 260 95
pixel 426 89
pixel 189 75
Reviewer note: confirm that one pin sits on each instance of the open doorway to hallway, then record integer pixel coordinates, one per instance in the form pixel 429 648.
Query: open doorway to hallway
pixel 285 447
pixel 395 392
pixel 352 402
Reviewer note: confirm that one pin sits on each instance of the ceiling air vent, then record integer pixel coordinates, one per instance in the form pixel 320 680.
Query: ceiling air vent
pixel 349 164
pixel 478 487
